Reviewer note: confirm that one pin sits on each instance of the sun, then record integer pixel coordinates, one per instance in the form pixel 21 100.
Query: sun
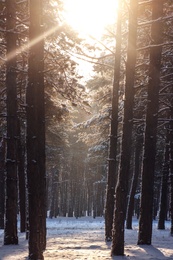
pixel 90 17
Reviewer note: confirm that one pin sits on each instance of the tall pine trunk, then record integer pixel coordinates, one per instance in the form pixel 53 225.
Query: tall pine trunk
pixel 146 207
pixel 10 232
pixel 112 161
pixel 36 135
pixel 122 185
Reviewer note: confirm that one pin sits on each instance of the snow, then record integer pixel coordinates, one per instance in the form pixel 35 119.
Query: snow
pixel 83 238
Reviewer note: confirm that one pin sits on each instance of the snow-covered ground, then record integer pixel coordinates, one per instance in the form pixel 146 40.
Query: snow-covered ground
pixel 83 238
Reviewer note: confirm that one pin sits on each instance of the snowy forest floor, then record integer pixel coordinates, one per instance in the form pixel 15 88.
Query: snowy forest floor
pixel 83 238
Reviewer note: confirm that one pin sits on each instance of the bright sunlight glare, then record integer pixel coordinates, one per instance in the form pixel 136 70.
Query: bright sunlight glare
pixel 90 17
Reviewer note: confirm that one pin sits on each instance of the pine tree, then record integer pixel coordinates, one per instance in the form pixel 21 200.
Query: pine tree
pixel 10 232
pixel 36 134
pixel 146 207
pixel 122 183
pixel 112 161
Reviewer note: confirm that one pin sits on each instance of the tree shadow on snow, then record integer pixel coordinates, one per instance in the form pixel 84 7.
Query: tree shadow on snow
pixel 153 252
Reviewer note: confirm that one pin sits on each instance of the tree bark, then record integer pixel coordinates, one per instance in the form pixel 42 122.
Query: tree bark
pixel 10 231
pixel 112 161
pixel 130 207
pixel 2 182
pixel 171 167
pixel 36 135
pixel 146 207
pixel 54 194
pixel 122 185
pixel 164 187
pixel 22 182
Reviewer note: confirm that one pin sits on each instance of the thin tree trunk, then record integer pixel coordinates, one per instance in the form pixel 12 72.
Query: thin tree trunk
pixel 146 207
pixel 122 185
pixel 36 135
pixel 2 182
pixel 130 208
pixel 54 195
pixel 22 183
pixel 10 232
pixel 171 167
pixel 164 188
pixel 112 166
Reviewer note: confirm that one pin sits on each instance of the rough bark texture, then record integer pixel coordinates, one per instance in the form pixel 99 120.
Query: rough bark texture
pixel 36 135
pixel 10 231
pixel 122 185
pixel 146 208
pixel 112 166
